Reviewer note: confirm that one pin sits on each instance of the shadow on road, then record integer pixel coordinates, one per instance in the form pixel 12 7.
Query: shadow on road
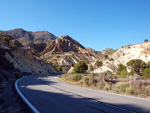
pixel 56 101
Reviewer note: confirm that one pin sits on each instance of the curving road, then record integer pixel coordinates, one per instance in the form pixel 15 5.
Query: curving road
pixel 45 94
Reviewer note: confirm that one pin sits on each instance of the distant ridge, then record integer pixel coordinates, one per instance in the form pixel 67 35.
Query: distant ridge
pixel 24 36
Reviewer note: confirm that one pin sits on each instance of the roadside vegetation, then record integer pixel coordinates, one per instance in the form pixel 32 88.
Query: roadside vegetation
pixel 135 81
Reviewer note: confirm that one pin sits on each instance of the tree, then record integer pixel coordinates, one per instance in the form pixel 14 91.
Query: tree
pixel 146 40
pixel 137 66
pixel 121 69
pixel 59 68
pixel 148 64
pixel 80 67
pixel 91 68
pixel 147 73
pixel 98 63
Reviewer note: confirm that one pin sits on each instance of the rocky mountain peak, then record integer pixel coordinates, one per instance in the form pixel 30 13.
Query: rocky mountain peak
pixel 108 51
pixel 71 40
pixel 64 44
pixel 66 37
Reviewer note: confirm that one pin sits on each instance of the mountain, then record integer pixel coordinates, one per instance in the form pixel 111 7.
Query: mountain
pixel 65 50
pixel 65 44
pixel 24 36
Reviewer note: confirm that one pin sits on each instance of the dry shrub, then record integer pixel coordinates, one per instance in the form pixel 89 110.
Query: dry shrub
pixel 100 85
pixel 86 81
pixel 107 87
pixel 123 87
pixel 131 91
pixel 77 77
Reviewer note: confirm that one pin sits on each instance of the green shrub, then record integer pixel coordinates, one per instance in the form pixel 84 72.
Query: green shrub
pixel 14 46
pixel 111 59
pixel 147 73
pixel 80 67
pixel 131 73
pixel 146 40
pixel 72 72
pixel 59 68
pixel 51 63
pixel 106 56
pixel 77 77
pixel 123 73
pixel 98 63
pixel 137 66
pixel 121 68
pixel 6 39
pixel 148 64
pixel 72 64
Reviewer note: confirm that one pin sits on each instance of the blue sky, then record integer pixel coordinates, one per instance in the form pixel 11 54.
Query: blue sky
pixel 98 24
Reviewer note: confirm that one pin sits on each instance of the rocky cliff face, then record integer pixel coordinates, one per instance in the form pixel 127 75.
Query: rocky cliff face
pixel 65 50
pixel 64 44
pixel 25 36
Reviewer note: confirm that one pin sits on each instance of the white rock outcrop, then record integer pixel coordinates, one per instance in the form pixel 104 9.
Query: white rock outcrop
pixel 125 54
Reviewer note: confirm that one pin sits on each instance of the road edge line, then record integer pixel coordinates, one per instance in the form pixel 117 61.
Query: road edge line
pixel 25 99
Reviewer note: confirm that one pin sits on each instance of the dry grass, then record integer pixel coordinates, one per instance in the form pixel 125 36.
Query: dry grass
pixel 128 86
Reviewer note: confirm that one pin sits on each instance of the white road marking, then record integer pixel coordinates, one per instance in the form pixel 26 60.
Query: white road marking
pixel 23 97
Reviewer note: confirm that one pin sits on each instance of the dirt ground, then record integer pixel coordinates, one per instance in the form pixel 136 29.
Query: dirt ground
pixel 10 101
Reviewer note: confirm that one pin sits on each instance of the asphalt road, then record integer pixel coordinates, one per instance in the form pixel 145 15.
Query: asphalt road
pixel 45 94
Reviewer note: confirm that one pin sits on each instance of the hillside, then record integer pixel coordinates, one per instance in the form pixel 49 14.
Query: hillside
pixel 19 58
pixel 17 61
pixel 24 36
pixel 125 54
